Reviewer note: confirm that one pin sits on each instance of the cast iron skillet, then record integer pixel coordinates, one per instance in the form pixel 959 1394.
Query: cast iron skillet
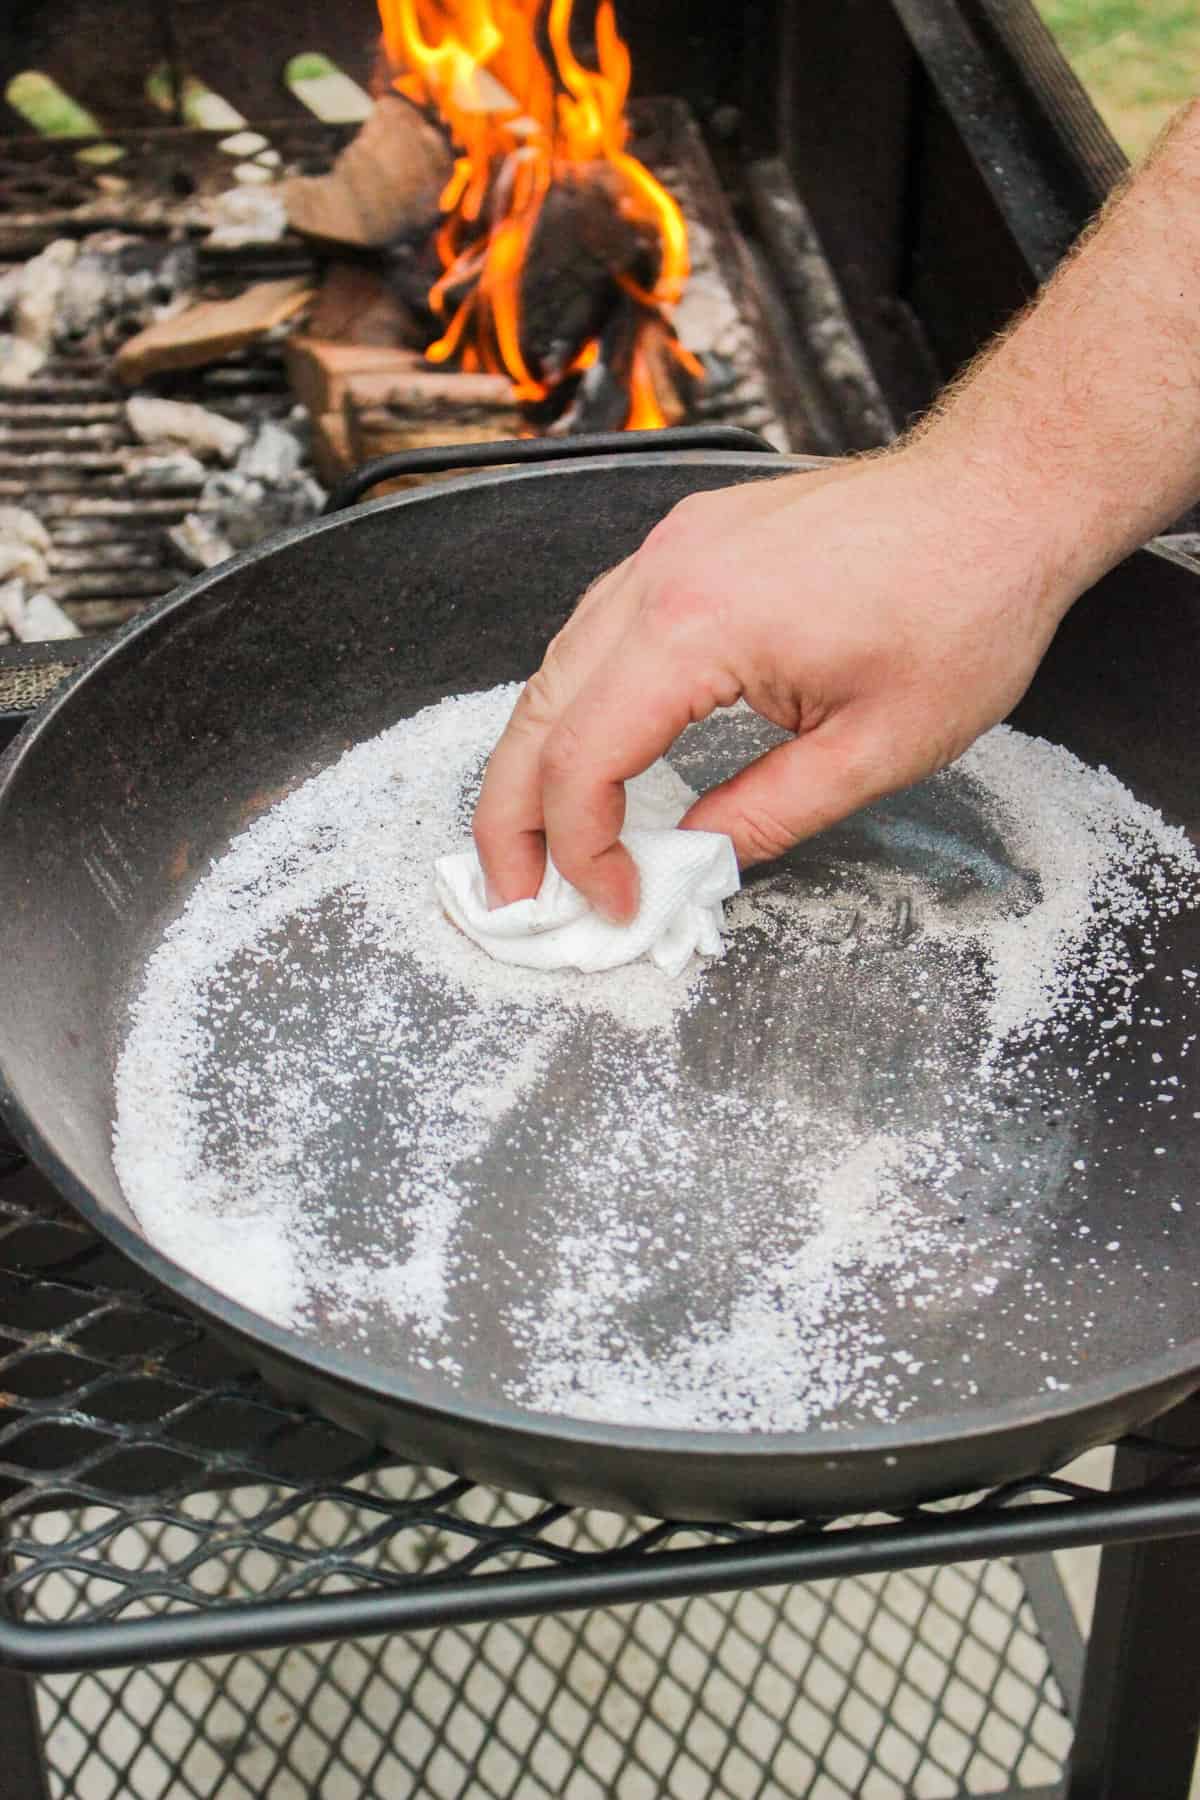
pixel 123 788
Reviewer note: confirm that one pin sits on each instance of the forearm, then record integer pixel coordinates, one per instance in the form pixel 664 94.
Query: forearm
pixel 1083 423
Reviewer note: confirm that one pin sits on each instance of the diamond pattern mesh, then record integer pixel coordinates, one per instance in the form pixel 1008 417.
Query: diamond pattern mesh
pixel 930 1684
pixel 143 1471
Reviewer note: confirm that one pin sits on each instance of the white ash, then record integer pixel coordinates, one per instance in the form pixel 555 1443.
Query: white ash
pixel 749 1199
pixel 166 472
pixel 24 546
pixel 21 562
pixel 244 215
pixel 19 523
pixel 243 511
pixel 94 292
pixel 34 618
pixel 20 360
pixel 35 296
pixel 197 544
pixel 274 454
pixel 267 490
pixel 186 425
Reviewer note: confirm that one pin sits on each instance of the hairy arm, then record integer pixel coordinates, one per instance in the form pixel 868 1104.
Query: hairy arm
pixel 889 610
pixel 1088 411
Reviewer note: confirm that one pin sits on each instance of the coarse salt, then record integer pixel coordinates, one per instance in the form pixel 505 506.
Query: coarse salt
pixel 671 1203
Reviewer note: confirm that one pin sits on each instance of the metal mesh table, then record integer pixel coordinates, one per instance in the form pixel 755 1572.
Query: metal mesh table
pixel 368 1628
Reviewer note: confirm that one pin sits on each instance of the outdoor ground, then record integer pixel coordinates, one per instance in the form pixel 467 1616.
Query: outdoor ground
pixel 1139 60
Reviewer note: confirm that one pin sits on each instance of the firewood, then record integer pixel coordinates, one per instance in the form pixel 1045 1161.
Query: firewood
pixel 206 332
pixel 384 185
pixel 421 392
pixel 356 305
pixel 670 381
pixel 569 288
pixel 331 452
pixel 381 431
pixel 318 371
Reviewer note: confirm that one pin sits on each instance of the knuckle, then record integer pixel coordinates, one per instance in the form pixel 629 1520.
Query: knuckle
pixel 538 702
pixel 763 836
pixel 680 525
pixel 564 753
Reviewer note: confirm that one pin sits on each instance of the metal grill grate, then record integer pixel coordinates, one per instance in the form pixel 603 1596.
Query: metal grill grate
pixel 144 1475
pixel 23 687
pixel 887 1686
pixel 66 449
pixel 48 188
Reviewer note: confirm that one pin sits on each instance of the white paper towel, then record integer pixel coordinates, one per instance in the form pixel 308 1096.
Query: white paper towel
pixel 684 877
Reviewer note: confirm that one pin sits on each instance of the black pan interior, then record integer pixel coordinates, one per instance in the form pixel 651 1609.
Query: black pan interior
pixel 261 674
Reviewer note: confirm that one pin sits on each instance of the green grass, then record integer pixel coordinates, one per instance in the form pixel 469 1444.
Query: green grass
pixel 1139 60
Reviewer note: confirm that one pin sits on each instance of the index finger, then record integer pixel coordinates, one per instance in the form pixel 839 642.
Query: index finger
pixel 622 720
pixel 508 826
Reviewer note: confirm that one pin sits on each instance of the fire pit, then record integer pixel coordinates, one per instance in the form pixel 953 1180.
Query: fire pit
pixel 856 201
pixel 575 266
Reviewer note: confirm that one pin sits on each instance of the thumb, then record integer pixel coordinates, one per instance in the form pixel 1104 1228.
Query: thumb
pixel 796 790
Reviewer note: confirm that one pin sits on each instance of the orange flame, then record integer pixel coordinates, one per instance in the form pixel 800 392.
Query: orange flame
pixel 520 122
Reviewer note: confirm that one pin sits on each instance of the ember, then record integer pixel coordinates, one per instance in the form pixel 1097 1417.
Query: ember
pixel 561 254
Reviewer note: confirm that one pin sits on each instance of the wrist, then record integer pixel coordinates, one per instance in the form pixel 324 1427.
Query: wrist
pixel 1021 530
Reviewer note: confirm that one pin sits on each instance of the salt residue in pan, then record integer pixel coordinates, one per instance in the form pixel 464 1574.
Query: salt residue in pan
pixel 701 1209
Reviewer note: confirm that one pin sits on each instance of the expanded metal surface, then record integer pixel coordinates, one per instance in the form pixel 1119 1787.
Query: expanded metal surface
pixel 146 1475
pixel 930 1685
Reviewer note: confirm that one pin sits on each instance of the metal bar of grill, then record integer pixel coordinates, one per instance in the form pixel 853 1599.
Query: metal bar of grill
pixel 666 1575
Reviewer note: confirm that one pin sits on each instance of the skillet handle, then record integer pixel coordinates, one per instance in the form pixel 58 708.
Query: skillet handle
pixel 435 460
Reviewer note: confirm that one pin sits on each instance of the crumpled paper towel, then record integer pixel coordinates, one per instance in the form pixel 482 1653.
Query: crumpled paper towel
pixel 684 878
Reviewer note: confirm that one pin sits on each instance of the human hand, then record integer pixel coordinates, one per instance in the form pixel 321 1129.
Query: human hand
pixel 878 610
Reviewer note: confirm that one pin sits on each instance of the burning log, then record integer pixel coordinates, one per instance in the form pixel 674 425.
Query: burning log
pixel 669 372
pixel 641 372
pixel 210 330
pixel 581 248
pixel 550 221
pixel 385 184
